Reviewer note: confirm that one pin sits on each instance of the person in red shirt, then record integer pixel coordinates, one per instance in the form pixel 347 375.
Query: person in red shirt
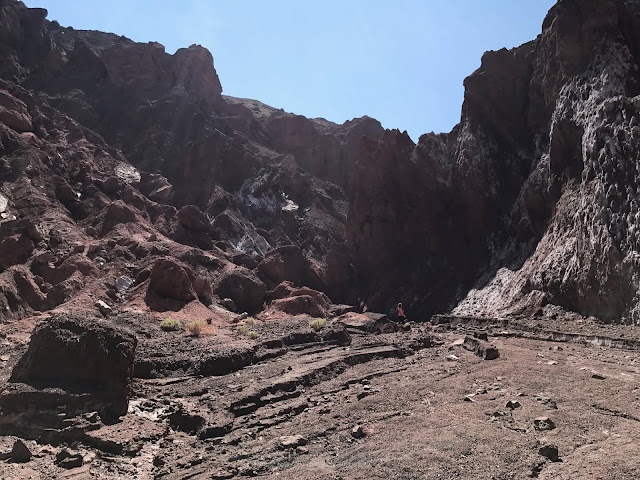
pixel 401 316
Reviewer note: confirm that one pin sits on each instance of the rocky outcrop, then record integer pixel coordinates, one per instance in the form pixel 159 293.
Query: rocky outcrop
pixel 243 287
pixel 170 279
pixel 82 355
pixel 529 198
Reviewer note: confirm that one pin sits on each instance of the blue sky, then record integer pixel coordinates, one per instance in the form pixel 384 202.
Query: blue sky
pixel 402 62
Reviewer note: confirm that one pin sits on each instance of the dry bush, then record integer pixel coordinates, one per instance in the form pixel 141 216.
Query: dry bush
pixel 196 327
pixel 242 329
pixel 252 334
pixel 318 324
pixel 170 325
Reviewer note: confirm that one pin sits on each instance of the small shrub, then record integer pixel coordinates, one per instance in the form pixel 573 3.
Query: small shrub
pixel 318 324
pixel 170 325
pixel 196 327
pixel 250 321
pixel 252 334
pixel 242 329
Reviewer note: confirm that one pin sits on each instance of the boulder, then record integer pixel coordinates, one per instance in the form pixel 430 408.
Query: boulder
pixel 292 441
pixel 123 284
pixel 543 423
pixel 358 432
pixel 68 458
pixel 203 289
pixel 80 354
pixel 104 308
pixel 192 218
pixel 4 203
pixel 513 404
pixel 20 453
pixel 13 113
pixel 283 290
pixel 481 348
pixel 368 322
pixel 157 188
pixel 299 305
pixel 549 451
pixel 14 250
pixel 117 213
pixel 245 289
pixel 170 279
pixel 288 263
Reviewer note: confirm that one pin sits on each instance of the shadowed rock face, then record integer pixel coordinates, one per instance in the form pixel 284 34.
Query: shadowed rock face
pixel 80 354
pixel 532 195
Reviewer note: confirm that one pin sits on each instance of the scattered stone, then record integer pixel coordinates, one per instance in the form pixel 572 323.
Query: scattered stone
pixel 543 423
pixel 78 473
pixel 123 284
pixel 549 451
pixel 548 402
pixel 513 404
pixel 229 304
pixel 292 441
pixel 481 336
pixel 469 398
pixel 4 358
pixel 536 468
pixel 68 458
pixel 551 362
pixel 481 348
pixel 457 343
pixel 302 450
pixel 364 394
pixel 358 432
pixel 104 308
pixel 598 376
pixel 481 391
pixel 452 358
pixel 20 452
pixel 4 203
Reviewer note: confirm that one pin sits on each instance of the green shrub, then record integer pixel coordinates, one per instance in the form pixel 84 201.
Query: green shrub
pixel 252 334
pixel 250 321
pixel 318 324
pixel 242 329
pixel 170 325
pixel 196 327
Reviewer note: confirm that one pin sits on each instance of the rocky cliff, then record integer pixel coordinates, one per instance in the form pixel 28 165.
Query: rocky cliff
pixel 532 199
pixel 116 155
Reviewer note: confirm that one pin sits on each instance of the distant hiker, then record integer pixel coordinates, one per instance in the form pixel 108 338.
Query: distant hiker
pixel 401 317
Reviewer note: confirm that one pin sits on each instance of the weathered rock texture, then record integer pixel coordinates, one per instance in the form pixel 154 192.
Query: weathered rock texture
pixel 115 154
pixel 134 153
pixel 532 199
pixel 82 355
